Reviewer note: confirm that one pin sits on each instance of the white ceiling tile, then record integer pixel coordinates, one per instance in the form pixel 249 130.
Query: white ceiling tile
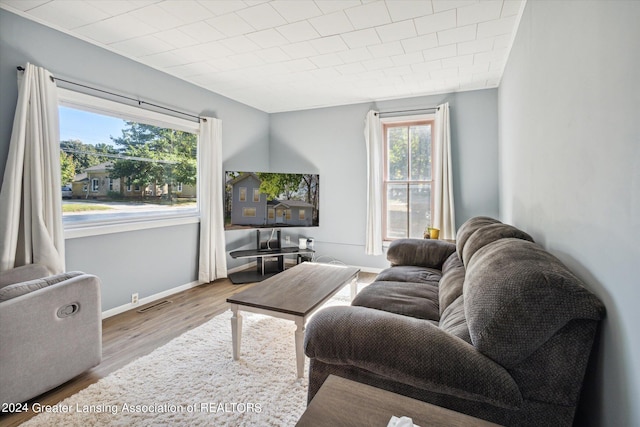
pixel 298 65
pixel 501 42
pixel 355 55
pixel 442 5
pixel 444 73
pixel 475 46
pixel 457 61
pixel 24 5
pixel 407 9
pixel 368 15
pixel 436 22
pixel 163 59
pixel 296 10
pixel 378 63
pixel 116 29
pixel 267 38
pixel 326 60
pixel 239 44
pixel 187 11
pixel 402 70
pixel 511 7
pixel 176 38
pixel 156 17
pixel 474 69
pixel 328 44
pixel 299 50
pixel 439 52
pixel 247 59
pixel 361 38
pixel 408 58
pixel 192 69
pixel 457 35
pixel 420 43
pixel 299 31
pixel 118 7
pixel 230 25
pixel 496 28
pixel 426 67
pixel 479 12
pixel 262 16
pixel 354 68
pixel 329 25
pixel 202 32
pixel 68 14
pixel 386 49
pixel 223 7
pixel 141 46
pixel 330 6
pixel 215 50
pixel 274 54
pixel 396 31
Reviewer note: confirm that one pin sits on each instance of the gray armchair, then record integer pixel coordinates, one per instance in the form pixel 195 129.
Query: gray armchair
pixel 50 329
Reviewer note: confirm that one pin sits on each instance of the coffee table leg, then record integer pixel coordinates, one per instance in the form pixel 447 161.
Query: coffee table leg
pixel 300 345
pixel 236 331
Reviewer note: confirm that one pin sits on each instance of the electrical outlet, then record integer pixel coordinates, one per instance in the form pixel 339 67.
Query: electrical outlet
pixel 287 240
pixel 134 298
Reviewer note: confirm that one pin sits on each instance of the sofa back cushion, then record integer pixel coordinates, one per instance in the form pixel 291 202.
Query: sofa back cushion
pixel 468 228
pixel 428 253
pixel 517 296
pixel 450 287
pixel 489 234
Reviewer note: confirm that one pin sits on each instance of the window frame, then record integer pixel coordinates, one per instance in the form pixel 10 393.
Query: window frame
pixel 402 121
pixel 97 105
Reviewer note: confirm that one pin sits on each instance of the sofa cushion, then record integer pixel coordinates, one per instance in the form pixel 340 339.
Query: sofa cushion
pixel 428 253
pixel 454 321
pixel 517 295
pixel 468 228
pixel 410 273
pixel 450 286
pixel 418 300
pixel 488 234
pixel 19 289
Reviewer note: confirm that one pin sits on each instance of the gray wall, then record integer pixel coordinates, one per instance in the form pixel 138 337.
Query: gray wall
pixel 569 104
pixel 146 261
pixel 330 141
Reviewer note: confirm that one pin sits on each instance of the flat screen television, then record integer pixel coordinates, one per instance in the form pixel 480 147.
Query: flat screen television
pixel 270 200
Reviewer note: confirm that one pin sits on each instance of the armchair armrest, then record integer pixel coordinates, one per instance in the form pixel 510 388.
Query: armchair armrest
pixel 23 274
pixel 428 253
pixel 408 350
pixel 49 336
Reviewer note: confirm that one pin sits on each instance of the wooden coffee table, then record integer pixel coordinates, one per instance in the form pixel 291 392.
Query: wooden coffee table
pixel 294 295
pixel 342 402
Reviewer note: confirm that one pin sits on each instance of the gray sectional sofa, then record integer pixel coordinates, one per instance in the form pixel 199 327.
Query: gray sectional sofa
pixel 492 326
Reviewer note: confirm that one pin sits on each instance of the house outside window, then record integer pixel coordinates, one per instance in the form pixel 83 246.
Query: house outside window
pixel 243 194
pixel 129 154
pixel 256 195
pixel 301 214
pixel 407 178
pixel 249 212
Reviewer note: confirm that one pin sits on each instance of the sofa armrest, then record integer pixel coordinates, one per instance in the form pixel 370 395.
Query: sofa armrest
pixel 428 253
pixel 23 274
pixel 410 351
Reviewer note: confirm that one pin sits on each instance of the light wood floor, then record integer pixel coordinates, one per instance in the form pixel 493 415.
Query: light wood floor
pixel 130 335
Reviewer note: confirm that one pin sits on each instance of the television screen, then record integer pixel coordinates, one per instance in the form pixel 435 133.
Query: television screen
pixel 273 200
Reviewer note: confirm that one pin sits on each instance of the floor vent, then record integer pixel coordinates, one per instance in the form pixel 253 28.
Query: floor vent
pixel 158 304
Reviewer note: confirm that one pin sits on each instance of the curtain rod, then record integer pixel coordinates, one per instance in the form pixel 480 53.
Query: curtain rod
pixel 408 111
pixel 53 79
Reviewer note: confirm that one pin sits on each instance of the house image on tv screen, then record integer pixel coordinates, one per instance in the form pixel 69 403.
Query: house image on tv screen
pixel 254 199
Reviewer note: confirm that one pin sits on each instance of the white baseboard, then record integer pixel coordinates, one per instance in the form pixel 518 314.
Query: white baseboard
pixel 147 300
pixel 169 292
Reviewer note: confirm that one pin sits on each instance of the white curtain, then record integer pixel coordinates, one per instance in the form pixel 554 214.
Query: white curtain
pixel 443 209
pixel 30 200
pixel 213 261
pixel 373 140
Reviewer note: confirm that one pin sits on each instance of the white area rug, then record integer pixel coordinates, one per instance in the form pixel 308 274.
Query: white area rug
pixel 193 380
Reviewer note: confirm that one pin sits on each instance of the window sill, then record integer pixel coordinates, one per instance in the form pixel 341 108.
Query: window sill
pixel 97 228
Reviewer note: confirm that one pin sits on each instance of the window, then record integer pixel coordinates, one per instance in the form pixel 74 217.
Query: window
pixel 132 160
pixel 243 194
pixel 407 178
pixel 256 194
pixel 249 212
pixel 287 214
pixel 271 212
pixel 301 215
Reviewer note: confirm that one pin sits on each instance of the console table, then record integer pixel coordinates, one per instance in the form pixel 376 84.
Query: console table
pixel 261 254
